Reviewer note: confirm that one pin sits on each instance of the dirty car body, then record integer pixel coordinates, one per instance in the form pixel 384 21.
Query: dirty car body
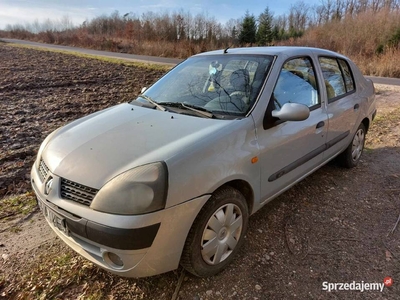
pixel 173 176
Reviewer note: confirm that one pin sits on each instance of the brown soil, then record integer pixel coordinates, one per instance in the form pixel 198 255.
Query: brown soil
pixel 337 225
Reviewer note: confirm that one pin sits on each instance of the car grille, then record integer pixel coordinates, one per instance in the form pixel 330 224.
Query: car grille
pixel 77 192
pixel 43 170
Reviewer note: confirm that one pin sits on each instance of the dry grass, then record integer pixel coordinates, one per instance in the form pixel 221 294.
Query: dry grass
pixel 80 38
pixel 52 275
pixel 384 65
pixel 368 39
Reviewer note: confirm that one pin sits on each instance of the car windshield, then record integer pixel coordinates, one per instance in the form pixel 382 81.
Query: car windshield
pixel 223 85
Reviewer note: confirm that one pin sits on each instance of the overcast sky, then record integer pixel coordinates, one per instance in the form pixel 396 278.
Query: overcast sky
pixel 27 11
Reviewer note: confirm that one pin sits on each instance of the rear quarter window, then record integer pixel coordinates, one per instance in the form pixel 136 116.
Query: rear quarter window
pixel 347 75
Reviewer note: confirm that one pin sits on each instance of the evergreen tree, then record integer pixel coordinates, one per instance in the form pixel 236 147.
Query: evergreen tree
pixel 248 33
pixel 264 33
pixel 234 36
pixel 275 33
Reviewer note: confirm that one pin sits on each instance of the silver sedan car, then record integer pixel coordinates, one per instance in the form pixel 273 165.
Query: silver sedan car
pixel 173 176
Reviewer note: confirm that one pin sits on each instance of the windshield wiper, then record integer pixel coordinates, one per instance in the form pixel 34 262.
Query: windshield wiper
pixel 198 109
pixel 160 107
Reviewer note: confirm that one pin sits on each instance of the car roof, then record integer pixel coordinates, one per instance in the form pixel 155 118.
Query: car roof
pixel 274 50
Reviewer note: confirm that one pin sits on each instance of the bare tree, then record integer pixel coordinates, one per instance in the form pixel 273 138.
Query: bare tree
pixel 65 23
pixel 298 17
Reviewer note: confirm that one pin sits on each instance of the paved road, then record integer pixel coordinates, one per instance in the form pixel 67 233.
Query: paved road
pixel 384 80
pixel 152 59
pixel 130 57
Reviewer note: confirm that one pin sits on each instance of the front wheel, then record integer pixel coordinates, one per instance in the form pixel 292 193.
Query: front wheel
pixel 217 233
pixel 351 156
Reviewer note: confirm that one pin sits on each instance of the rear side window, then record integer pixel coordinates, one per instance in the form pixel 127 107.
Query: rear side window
pixel 337 76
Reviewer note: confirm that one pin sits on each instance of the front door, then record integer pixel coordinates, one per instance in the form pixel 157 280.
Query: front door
pixel 290 150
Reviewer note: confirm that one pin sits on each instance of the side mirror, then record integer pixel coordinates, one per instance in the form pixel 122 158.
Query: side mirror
pixel 292 112
pixel 143 89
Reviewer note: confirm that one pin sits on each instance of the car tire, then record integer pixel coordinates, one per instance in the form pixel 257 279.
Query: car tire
pixel 217 233
pixel 351 156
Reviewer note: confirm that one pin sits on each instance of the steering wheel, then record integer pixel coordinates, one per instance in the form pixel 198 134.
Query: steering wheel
pixel 243 95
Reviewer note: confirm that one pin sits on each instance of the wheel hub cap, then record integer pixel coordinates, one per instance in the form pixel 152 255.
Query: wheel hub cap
pixel 358 145
pixel 221 234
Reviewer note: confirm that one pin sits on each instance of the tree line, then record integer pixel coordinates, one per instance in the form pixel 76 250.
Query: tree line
pixel 371 28
pixel 264 29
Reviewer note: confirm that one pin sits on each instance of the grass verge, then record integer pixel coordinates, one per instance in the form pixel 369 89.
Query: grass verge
pixel 381 130
pixel 56 272
pixel 142 65
pixel 53 275
pixel 16 205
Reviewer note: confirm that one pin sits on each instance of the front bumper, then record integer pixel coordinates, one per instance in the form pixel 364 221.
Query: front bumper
pixel 146 244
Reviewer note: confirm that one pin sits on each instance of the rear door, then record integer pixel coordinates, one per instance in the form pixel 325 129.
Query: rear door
pixel 343 105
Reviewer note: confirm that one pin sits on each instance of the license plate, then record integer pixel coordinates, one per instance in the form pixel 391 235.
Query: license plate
pixel 57 220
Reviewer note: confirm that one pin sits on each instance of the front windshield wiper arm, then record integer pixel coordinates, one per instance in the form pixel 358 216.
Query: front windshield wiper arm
pixel 198 109
pixel 160 107
pixel 201 110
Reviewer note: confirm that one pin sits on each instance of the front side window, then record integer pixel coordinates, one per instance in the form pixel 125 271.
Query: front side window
pixel 224 85
pixel 296 84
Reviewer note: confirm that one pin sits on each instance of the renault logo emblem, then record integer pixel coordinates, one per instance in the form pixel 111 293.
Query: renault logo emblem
pixel 48 186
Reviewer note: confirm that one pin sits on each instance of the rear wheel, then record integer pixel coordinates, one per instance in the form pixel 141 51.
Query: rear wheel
pixel 217 233
pixel 351 156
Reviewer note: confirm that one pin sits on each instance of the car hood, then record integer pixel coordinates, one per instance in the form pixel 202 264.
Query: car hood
pixel 96 148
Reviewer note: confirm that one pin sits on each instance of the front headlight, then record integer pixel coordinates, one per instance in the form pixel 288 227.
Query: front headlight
pixel 137 191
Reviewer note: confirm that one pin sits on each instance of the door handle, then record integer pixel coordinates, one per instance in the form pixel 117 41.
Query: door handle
pixel 320 124
pixel 356 107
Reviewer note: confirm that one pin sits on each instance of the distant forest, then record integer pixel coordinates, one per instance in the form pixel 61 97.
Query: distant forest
pixel 368 31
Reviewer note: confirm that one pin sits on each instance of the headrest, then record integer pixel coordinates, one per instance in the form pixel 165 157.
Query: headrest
pixel 240 80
